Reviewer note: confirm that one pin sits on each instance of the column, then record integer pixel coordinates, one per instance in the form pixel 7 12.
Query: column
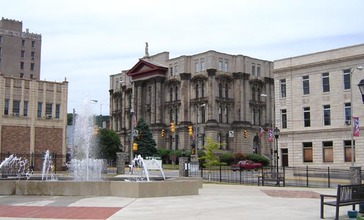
pixel 185 98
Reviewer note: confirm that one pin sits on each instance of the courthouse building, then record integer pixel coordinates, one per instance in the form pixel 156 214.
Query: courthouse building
pixel 33 114
pixel 316 97
pixel 220 95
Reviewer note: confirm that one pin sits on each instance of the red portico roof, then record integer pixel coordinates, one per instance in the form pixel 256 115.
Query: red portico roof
pixel 147 69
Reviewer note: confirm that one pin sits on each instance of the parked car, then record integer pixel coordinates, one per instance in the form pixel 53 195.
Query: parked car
pixel 246 165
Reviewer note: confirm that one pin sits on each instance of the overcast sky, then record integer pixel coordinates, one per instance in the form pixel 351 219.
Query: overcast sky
pixel 87 40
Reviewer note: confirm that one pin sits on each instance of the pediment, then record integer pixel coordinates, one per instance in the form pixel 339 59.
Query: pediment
pixel 145 69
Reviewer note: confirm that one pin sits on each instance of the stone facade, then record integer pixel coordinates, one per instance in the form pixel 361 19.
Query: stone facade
pixel 20 52
pixel 313 107
pixel 214 92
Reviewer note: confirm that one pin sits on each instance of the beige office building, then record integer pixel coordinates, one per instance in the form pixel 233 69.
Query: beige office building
pixel 316 96
pixel 219 94
pixel 20 52
pixel 33 113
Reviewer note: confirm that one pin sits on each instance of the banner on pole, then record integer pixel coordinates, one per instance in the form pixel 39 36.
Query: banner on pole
pixel 356 126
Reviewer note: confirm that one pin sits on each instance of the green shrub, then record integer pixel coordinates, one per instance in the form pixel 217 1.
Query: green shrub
pixel 227 158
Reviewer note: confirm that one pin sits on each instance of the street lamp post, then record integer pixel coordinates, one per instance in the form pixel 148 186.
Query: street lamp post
pixel 276 135
pixel 131 123
pixel 271 124
pixel 355 177
pixel 352 113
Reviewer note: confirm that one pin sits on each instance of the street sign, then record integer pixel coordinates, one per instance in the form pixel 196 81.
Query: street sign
pixel 231 134
pixel 135 133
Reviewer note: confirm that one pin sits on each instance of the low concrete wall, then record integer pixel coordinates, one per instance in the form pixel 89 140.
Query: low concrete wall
pixel 178 187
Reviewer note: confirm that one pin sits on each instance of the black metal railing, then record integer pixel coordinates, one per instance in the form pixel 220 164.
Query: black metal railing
pixel 323 177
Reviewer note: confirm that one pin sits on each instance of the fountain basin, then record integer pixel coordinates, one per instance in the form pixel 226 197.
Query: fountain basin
pixel 171 187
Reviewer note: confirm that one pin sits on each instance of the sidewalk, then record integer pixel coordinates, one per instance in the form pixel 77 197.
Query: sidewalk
pixel 215 201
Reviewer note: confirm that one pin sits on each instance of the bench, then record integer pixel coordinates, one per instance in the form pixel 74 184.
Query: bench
pixel 346 195
pixel 271 177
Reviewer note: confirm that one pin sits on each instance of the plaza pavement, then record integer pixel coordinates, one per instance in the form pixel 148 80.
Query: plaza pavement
pixel 215 201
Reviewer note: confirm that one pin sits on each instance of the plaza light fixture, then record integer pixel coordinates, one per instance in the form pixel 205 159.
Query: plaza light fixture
pixel 277 132
pixel 352 111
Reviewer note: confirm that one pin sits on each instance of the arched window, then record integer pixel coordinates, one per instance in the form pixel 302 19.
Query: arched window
pixel 171 93
pixel 226 91
pixel 176 93
pixel 220 90
pixel 203 89
pixel 220 114
pixel 196 88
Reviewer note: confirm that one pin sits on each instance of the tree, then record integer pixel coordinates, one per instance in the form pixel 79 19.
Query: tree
pixel 145 141
pixel 212 149
pixel 109 143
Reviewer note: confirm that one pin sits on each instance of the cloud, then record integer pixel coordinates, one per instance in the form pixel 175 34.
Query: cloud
pixel 88 40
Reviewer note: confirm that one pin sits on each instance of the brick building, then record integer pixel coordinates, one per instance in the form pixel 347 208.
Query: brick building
pixel 33 114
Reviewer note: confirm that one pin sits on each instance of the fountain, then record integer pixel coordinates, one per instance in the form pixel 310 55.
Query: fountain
pixel 83 167
pixel 48 168
pixel 140 162
pixel 87 175
pixel 16 167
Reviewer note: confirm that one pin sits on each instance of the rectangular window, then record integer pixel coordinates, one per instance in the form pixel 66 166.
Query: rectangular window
pixel 283 88
pixel 6 107
pixel 253 69
pixel 226 65
pixel 284 118
pixel 22 42
pixel 347 150
pixel 220 65
pixel 32 66
pixel 306 117
pixel 325 82
pixel 196 66
pixel 1 39
pixel 328 153
pixel 347 112
pixel 32 55
pixel 33 43
pixel 306 85
pixel 176 68
pixel 307 152
pixel 258 69
pixel 39 110
pixel 21 65
pixel 327 115
pixel 347 78
pixel 202 64
pixel 16 107
pixel 58 110
pixel 22 54
pixel 25 108
pixel 49 110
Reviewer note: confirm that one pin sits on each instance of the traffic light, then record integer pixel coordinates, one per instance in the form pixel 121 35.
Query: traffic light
pixel 172 127
pixel 190 130
pixel 162 133
pixel 245 134
pixel 135 147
